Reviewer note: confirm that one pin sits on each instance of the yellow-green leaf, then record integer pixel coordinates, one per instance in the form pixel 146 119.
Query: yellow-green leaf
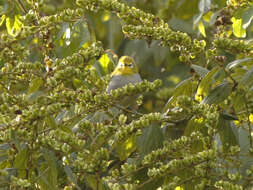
pixel 238 30
pixel 13 25
pixel 205 84
pixel 35 85
pixel 105 63
pixel 9 24
pixel 179 188
pixel 106 16
pixel 201 71
pixel 186 87
pixel 207 16
pixel 95 182
pixel 218 94
pixel 227 135
pixel 150 139
pixel 51 122
pixel 21 159
pixel 2 19
pixel 125 148
pixel 196 125
pixel 201 28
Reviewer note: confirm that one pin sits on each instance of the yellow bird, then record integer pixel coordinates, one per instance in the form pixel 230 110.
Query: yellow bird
pixel 125 73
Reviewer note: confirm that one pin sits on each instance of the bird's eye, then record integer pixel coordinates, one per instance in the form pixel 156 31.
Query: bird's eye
pixel 121 65
pixel 131 65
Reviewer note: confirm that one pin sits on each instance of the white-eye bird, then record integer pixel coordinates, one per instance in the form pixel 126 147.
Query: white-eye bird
pixel 126 72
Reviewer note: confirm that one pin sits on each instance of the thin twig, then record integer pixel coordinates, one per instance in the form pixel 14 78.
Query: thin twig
pixel 22 7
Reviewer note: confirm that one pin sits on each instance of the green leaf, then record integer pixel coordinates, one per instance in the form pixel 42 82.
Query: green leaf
pixel 21 159
pixel 247 78
pixel 228 116
pixel 226 133
pixel 247 17
pixel 35 85
pixel 196 125
pixel 218 94
pixel 51 122
pixel 151 138
pixel 48 171
pixel 197 19
pixel 99 69
pixel 125 148
pixel 94 182
pixel 71 176
pixel 77 82
pixel 204 5
pixel 201 71
pixel 238 30
pixel 186 87
pixel 187 9
pixel 205 84
pixel 21 162
pixel 237 62
pixel 4 151
pixel 72 37
pixel 4 146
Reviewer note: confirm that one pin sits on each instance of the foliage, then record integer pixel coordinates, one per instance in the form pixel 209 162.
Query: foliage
pixel 59 129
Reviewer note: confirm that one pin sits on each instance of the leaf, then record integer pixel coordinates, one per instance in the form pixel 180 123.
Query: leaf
pixel 196 125
pixel 238 30
pixel 21 159
pixel 201 28
pixel 228 116
pixel 4 146
pixel 106 16
pixel 99 69
pixel 13 25
pixel 48 171
pixel 186 87
pixel 187 9
pixel 2 19
pixel 197 19
pixel 213 18
pixel 51 122
pixel 106 64
pixel 94 182
pixel 218 94
pixel 151 138
pixel 204 5
pixel 247 17
pixel 9 24
pixel 35 85
pixel 77 82
pixel 226 133
pixel 238 101
pixel 71 176
pixel 125 148
pixel 201 71
pixel 205 84
pixel 21 162
pixel 72 37
pixel 237 62
pixel 4 151
pixel 247 78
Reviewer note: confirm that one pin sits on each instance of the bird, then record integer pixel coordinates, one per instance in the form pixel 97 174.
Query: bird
pixel 126 72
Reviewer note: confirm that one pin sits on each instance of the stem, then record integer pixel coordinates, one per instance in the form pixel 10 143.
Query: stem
pixel 22 7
